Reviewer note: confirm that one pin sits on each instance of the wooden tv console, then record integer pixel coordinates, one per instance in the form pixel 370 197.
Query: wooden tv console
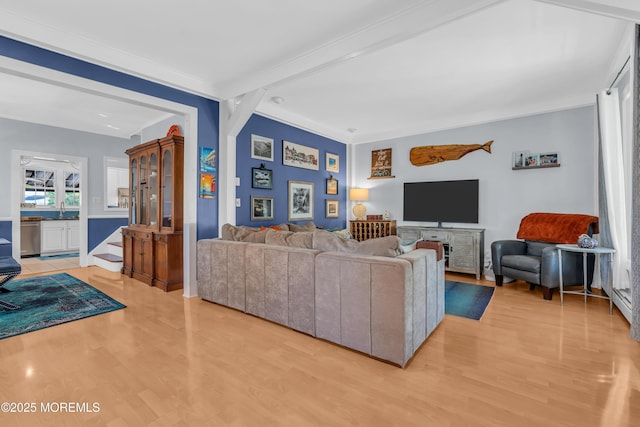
pixel 463 247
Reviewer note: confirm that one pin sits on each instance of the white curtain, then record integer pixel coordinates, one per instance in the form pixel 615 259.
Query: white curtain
pixel 615 183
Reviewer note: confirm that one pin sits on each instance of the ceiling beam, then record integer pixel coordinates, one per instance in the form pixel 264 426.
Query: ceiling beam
pixel 403 25
pixel 601 7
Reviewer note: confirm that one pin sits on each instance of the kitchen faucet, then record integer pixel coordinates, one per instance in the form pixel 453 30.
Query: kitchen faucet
pixel 62 210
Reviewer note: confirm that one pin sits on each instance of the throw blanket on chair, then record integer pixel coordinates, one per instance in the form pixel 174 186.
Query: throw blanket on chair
pixel 556 228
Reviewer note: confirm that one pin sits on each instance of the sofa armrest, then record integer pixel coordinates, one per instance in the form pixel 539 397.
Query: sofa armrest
pixel 221 272
pixel 499 248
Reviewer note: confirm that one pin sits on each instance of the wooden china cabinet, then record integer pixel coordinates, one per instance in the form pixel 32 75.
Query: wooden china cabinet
pixel 152 243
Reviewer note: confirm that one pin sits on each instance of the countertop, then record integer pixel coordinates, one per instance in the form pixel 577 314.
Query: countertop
pixel 41 218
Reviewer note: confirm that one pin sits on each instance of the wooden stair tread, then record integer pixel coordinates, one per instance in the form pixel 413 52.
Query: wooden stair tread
pixel 109 257
pixel 115 243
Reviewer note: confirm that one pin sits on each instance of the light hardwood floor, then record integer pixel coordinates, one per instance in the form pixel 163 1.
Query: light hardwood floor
pixel 166 360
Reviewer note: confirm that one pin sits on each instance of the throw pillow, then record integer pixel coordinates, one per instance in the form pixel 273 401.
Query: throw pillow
pixel 309 226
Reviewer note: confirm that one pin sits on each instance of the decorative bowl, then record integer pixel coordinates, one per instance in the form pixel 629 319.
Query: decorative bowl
pixel 585 241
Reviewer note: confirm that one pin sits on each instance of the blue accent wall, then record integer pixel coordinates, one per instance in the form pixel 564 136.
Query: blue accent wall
pixel 278 131
pixel 208 110
pixel 101 228
pixel 5 233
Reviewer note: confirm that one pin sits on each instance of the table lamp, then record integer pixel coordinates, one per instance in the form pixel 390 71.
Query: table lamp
pixel 359 195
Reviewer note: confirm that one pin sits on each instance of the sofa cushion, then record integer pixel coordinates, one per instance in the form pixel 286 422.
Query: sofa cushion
pixel 309 226
pixel 327 241
pixel 236 233
pixel 303 239
pixel 255 237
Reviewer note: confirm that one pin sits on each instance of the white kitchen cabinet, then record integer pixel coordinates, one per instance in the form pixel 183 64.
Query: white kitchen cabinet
pixel 73 235
pixel 59 236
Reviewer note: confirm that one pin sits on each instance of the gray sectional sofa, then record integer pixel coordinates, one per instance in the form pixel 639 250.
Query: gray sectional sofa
pixel 383 306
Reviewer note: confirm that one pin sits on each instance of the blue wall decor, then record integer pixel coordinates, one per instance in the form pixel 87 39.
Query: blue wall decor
pixel 278 131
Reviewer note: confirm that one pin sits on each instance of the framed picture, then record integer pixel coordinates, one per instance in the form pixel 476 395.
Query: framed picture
pixel 261 208
pixel 332 209
pixel 262 178
pixel 519 159
pixel 207 186
pixel 300 200
pixel 332 162
pixel 332 185
pixel 531 160
pixel 381 163
pixel 207 160
pixel 549 159
pixel 261 148
pixel 299 156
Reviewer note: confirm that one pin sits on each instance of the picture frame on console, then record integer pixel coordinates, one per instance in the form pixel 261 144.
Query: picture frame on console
pixel 300 203
pixel 261 208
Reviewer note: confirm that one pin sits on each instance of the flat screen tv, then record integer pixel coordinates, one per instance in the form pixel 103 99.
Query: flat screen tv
pixel 441 201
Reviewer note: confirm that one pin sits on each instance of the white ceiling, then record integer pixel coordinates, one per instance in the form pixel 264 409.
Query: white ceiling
pixel 356 71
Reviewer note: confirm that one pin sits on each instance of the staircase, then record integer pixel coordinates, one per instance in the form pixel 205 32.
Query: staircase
pixel 110 260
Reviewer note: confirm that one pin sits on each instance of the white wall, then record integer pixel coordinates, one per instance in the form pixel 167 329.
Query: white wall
pixel 48 139
pixel 159 130
pixel 506 195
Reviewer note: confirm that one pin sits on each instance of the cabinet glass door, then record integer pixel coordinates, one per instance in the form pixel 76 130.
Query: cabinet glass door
pixel 134 192
pixel 167 188
pixel 144 193
pixel 153 189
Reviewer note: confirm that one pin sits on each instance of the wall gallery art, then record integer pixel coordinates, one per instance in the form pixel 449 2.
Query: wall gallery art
pixel 332 163
pixel 300 156
pixel 261 208
pixel 332 209
pixel 527 160
pixel 381 163
pixel 207 173
pixel 261 148
pixel 262 178
pixel 300 200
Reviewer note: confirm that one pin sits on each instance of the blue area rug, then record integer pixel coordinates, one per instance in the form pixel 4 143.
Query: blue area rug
pixel 48 301
pixel 466 300
pixel 49 257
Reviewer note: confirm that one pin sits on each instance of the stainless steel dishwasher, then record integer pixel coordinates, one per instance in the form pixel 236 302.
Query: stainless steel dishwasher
pixel 29 238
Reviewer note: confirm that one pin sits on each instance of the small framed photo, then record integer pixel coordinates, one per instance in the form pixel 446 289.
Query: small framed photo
pixel 519 159
pixel 261 208
pixel 300 200
pixel 332 162
pixel 332 209
pixel 332 185
pixel 549 159
pixel 261 148
pixel 532 159
pixel 262 178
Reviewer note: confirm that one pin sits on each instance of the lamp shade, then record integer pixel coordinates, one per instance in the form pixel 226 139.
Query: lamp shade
pixel 359 194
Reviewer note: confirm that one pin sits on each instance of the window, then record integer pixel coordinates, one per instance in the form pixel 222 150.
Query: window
pixel 71 189
pixel 116 190
pixel 40 187
pixel 47 183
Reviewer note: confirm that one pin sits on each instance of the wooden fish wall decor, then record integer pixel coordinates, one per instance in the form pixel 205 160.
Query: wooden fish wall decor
pixel 432 154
